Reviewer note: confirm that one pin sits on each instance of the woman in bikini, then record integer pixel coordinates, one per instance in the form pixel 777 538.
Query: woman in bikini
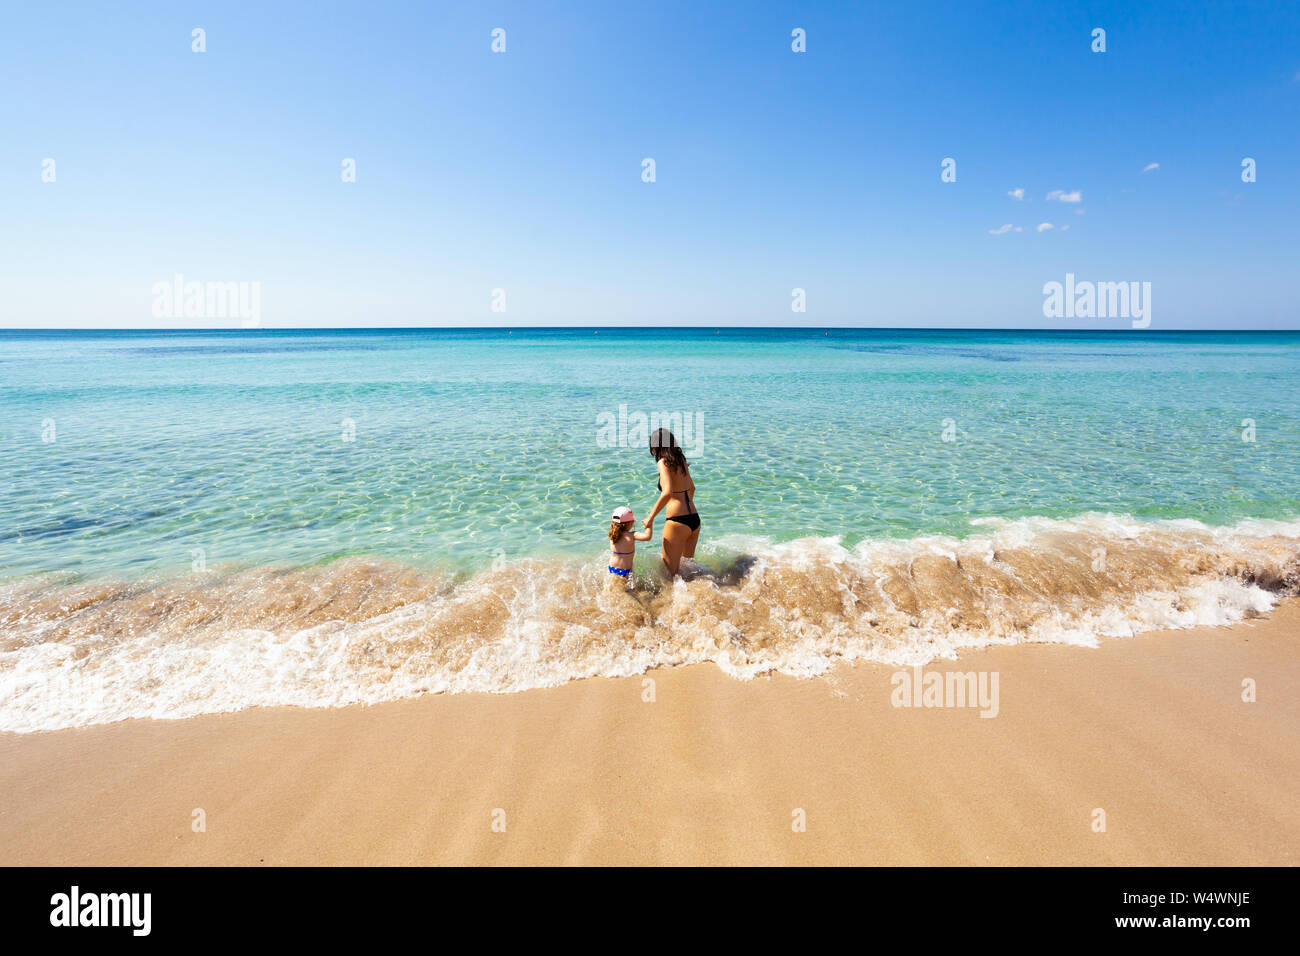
pixel 676 491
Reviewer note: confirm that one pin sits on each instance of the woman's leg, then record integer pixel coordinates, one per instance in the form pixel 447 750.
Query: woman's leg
pixel 675 537
pixel 691 542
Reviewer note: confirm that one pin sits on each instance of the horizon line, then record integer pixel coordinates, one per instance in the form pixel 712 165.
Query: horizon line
pixel 623 327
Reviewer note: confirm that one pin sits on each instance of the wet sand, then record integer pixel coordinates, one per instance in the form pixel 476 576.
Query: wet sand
pixel 1152 730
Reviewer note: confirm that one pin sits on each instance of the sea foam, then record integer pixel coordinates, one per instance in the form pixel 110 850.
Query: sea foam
pixel 366 631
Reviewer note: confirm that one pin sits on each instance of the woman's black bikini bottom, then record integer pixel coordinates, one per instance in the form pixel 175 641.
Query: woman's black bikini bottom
pixel 691 521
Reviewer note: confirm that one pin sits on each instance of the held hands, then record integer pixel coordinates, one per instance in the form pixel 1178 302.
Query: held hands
pixel 648 524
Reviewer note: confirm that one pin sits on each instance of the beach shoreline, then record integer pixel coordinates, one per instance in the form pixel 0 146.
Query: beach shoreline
pixel 1153 730
pixel 369 631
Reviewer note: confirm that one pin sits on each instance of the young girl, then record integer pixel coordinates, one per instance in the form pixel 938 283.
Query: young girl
pixel 622 544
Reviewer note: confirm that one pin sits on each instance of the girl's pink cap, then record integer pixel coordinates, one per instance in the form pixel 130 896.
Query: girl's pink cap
pixel 622 514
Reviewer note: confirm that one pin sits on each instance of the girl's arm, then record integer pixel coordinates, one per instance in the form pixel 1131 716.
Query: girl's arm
pixel 645 535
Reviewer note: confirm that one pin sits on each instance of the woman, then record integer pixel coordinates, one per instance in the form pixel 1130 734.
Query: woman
pixel 676 489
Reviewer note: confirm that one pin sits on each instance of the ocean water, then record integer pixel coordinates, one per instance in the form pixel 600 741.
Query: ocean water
pixel 200 522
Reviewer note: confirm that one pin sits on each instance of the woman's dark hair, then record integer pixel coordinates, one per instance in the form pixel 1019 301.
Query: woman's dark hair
pixel 664 445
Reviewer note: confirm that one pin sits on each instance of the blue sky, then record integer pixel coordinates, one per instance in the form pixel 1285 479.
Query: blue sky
pixel 775 170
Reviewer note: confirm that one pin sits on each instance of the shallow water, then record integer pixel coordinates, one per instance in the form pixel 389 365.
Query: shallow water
pixel 473 445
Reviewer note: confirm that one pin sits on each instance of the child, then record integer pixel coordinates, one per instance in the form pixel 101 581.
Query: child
pixel 622 545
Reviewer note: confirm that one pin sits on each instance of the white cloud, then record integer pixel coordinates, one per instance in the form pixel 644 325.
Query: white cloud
pixel 1060 195
pixel 1079 212
pixel 1044 226
pixel 1063 228
pixel 1017 193
pixel 1000 230
pixel 1020 228
pixel 1150 166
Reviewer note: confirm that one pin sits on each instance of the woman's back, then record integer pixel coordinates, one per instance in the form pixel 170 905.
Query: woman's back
pixel 681 486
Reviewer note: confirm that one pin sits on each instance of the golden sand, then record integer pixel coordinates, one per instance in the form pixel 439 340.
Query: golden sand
pixel 1152 730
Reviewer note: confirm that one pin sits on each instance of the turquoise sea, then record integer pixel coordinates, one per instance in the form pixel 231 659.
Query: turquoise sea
pixel 208 521
pixel 467 445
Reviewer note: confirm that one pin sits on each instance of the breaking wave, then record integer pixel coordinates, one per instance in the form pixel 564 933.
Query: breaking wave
pixel 365 631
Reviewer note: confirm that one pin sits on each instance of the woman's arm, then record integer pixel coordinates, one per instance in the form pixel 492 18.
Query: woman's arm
pixel 665 492
pixel 659 506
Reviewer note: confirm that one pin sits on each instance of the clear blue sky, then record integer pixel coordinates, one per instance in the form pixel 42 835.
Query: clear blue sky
pixel 775 170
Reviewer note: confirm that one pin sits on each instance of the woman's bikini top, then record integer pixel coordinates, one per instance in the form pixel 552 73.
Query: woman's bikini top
pixel 686 496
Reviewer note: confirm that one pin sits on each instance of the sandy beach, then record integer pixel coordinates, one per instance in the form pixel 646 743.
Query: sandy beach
pixel 1152 730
